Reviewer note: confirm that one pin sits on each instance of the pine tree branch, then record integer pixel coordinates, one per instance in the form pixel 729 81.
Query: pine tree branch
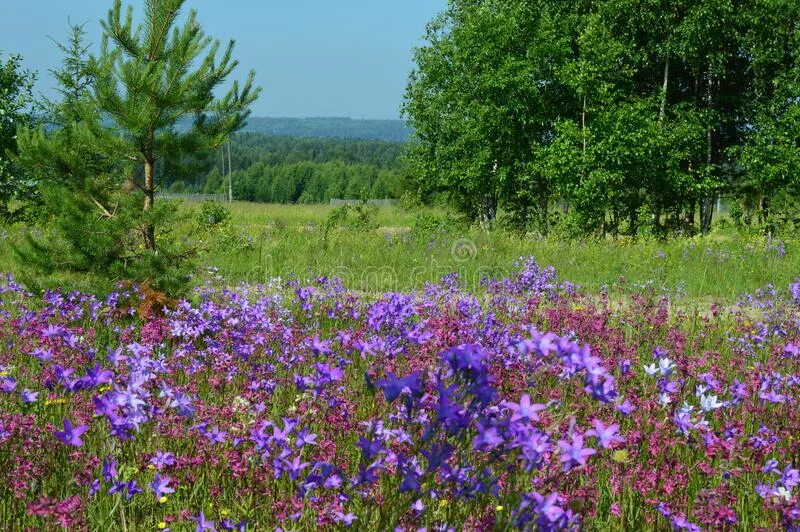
pixel 102 208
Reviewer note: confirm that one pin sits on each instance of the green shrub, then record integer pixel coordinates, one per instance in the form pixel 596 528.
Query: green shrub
pixel 84 236
pixel 213 214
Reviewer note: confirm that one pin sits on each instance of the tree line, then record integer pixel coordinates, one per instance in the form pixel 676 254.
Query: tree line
pixel 272 169
pixel 335 127
pixel 610 116
pixel 308 182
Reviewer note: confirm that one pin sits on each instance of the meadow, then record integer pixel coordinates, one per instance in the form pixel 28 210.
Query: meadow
pixel 398 370
pixel 389 249
pixel 397 249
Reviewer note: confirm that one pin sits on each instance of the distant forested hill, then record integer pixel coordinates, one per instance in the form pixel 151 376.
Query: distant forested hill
pixel 271 168
pixel 344 128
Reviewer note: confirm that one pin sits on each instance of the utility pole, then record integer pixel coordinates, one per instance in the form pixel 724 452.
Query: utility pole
pixel 222 160
pixel 230 175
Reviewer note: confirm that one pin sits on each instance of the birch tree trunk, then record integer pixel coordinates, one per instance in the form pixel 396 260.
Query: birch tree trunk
pixel 707 203
pixel 664 90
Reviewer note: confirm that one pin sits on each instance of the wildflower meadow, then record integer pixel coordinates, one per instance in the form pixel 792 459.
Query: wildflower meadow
pixel 299 406
pixel 481 265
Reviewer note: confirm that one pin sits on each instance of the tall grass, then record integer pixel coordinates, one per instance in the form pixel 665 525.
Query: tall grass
pixel 403 249
pixel 404 252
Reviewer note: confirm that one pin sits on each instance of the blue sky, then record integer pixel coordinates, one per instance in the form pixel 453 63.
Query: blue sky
pixel 311 57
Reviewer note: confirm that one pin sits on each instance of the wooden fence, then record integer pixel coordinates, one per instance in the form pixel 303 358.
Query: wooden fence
pixel 191 196
pixel 336 202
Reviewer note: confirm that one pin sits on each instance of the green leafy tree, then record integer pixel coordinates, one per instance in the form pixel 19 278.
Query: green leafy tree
pixel 770 158
pixel 628 113
pixel 16 100
pixel 480 99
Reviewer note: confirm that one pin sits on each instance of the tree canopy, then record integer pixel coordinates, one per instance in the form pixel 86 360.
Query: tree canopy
pixel 629 115
pixel 16 100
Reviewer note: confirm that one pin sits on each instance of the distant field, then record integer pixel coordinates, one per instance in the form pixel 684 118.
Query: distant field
pixel 407 249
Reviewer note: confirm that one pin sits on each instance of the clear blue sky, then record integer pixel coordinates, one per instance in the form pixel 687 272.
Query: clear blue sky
pixel 311 57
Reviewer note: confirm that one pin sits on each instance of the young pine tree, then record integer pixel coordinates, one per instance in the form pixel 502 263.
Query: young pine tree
pixel 85 217
pixel 120 114
pixel 150 78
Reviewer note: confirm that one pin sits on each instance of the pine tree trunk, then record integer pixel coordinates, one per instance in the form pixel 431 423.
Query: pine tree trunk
pixel 149 197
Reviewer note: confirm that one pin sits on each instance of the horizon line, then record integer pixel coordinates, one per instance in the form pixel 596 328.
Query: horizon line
pixel 325 117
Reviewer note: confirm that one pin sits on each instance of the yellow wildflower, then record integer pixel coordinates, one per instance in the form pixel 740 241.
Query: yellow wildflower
pixel 620 456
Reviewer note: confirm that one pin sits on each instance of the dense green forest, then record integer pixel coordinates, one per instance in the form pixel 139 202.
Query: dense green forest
pixel 281 169
pixel 633 116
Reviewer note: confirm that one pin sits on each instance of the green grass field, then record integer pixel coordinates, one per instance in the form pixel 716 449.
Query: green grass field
pixel 398 249
pixel 407 249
